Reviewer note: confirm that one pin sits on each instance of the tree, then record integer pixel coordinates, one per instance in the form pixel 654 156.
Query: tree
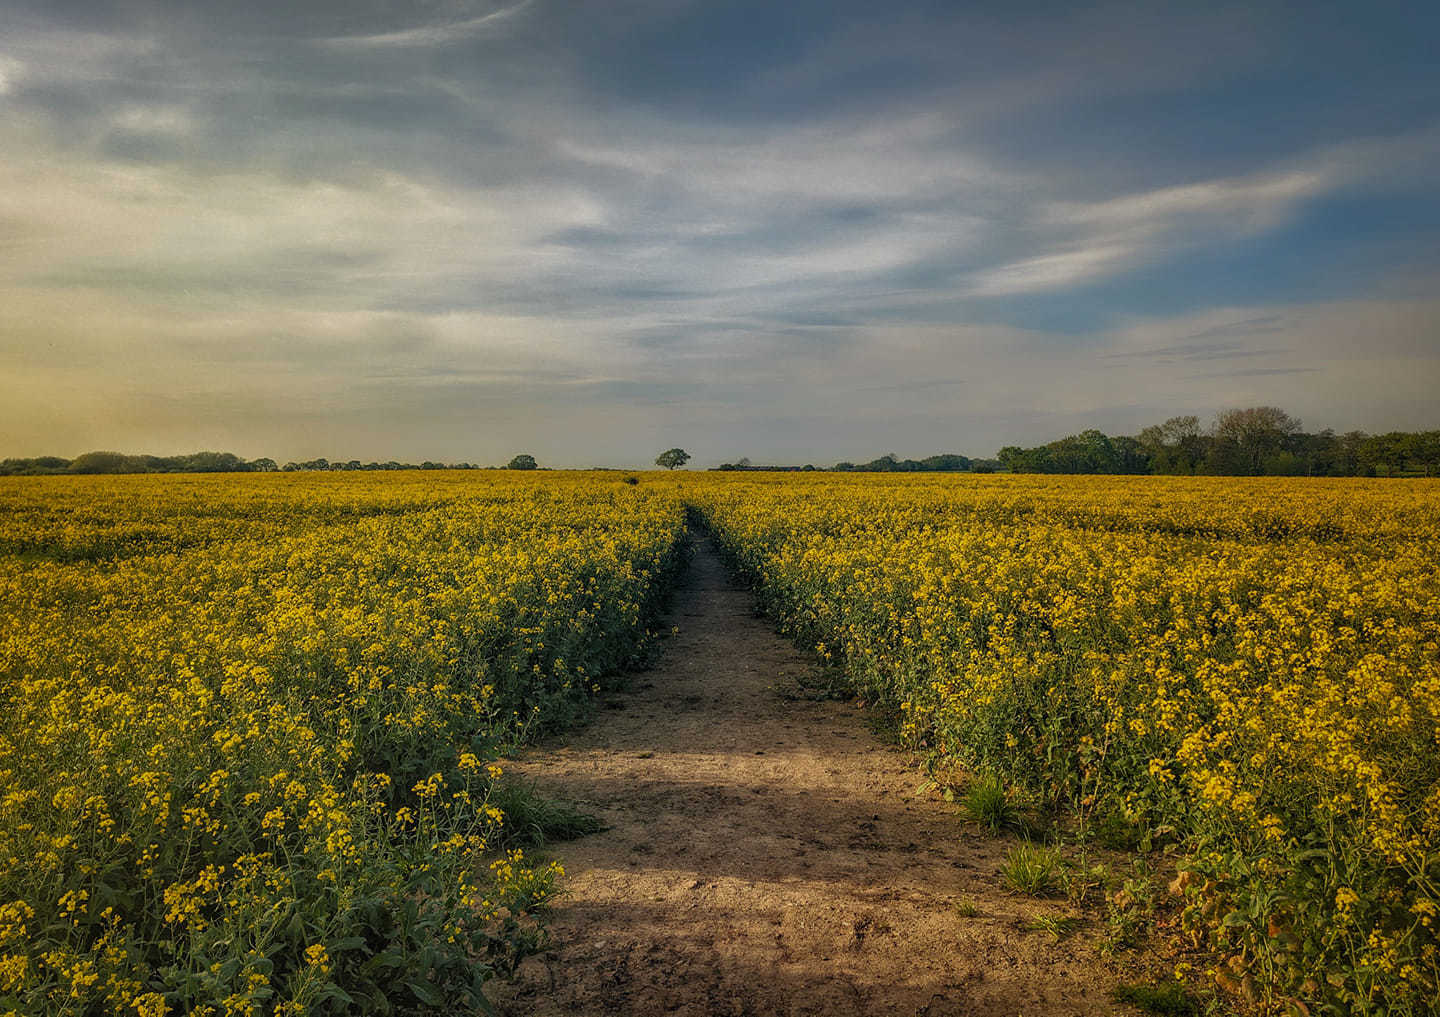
pixel 1175 446
pixel 1255 432
pixel 522 462
pixel 672 458
pixel 106 462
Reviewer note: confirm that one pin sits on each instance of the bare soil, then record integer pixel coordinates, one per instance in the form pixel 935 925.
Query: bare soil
pixel 769 856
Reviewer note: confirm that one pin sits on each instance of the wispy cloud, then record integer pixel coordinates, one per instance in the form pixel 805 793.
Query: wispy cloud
pixel 432 34
pixel 1054 271
pixel 1257 372
pixel 1195 351
pixel 10 72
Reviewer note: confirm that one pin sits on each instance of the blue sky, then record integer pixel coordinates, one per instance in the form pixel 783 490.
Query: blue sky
pixel 795 232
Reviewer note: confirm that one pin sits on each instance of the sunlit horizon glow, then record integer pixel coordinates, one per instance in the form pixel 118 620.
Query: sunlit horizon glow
pixel 799 233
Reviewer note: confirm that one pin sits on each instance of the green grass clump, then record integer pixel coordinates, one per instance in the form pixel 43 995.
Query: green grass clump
pixel 988 803
pixel 532 820
pixel 1163 998
pixel 1058 926
pixel 1032 869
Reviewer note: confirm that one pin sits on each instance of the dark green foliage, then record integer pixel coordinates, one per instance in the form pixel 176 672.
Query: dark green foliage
pixel 1260 441
pixel 194 462
pixel 947 463
pixel 532 820
pixel 1162 998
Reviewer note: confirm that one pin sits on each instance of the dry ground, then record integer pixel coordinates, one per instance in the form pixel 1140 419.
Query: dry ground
pixel 768 856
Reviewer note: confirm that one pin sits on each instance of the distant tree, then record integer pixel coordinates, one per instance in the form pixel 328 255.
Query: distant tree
pixel 1349 454
pixel 1026 460
pixel 672 459
pixel 1130 456
pixel 1254 433
pixel 1176 446
pixel 263 465
pixel 1425 448
pixel 1389 453
pixel 947 463
pixel 1011 458
pixel 523 461
pixel 39 466
pixel 106 462
pixel 201 462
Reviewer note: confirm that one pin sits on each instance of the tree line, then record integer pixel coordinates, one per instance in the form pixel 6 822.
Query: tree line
pixel 1257 441
pixel 195 462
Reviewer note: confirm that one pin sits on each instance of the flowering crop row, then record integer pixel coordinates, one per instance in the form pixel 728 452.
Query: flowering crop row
pixel 1249 667
pixel 245 725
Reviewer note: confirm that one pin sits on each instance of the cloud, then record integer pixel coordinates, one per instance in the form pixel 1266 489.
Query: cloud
pixel 1258 372
pixel 1084 242
pixel 622 227
pixel 10 73
pixel 1053 271
pixel 438 34
pixel 1245 327
pixel 1109 237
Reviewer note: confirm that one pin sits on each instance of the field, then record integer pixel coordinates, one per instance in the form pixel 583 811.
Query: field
pixel 249 721
pixel 1246 670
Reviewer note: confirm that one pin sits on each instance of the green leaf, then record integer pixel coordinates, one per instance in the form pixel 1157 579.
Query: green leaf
pixel 426 993
pixel 333 991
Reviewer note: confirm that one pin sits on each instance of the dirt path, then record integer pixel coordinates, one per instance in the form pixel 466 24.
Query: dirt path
pixel 768 856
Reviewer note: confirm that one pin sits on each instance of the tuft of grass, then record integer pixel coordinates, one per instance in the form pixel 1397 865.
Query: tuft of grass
pixel 1058 926
pixel 532 820
pixel 1032 868
pixel 988 803
pixel 1163 998
pixel 967 907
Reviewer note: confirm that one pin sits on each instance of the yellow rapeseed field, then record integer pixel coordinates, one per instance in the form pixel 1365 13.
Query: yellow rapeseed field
pixel 1249 669
pixel 246 722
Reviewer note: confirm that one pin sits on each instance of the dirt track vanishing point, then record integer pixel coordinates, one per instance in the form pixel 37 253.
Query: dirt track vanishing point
pixel 767 855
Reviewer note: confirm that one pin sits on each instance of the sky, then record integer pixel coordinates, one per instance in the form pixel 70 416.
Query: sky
pixel 797 232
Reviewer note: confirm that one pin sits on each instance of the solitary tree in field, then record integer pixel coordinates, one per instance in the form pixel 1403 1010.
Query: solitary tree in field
pixel 672 458
pixel 522 462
